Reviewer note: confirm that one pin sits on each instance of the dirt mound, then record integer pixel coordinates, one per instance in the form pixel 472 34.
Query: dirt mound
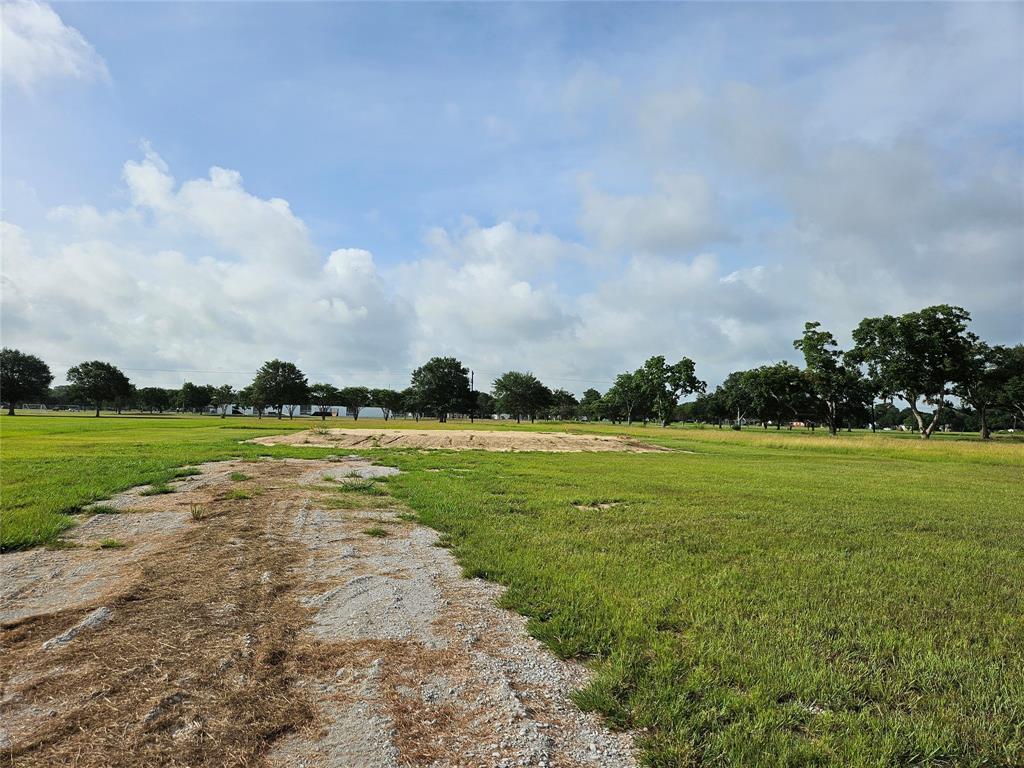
pixel 458 440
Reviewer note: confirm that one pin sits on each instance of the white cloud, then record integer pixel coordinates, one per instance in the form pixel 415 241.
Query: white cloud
pixel 678 217
pixel 37 46
pixel 218 279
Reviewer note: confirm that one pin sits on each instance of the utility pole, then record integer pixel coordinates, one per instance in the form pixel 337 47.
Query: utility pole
pixel 472 399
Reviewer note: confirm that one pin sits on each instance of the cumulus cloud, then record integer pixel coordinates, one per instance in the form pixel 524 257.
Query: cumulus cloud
pixel 37 46
pixel 201 275
pixel 677 217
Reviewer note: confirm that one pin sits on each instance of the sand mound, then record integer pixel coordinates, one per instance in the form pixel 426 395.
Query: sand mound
pixel 458 440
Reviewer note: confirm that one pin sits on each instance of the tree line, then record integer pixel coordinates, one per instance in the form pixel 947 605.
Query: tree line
pixel 924 359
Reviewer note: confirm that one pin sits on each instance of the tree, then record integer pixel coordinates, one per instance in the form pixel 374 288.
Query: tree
pixel 982 381
pixel 590 405
pixel 61 395
pixel 354 399
pixel 154 398
pixel 519 394
pixel 629 397
pixel 564 405
pixel 222 397
pixel 1011 393
pixel 22 377
pixel 774 393
pixel 412 402
pixel 96 382
pixel 667 383
pixel 833 384
pixel 388 400
pixel 735 396
pixel 710 408
pixel 441 386
pixel 252 397
pixel 481 404
pixel 916 357
pixel 540 400
pixel 323 396
pixel 194 397
pixel 280 383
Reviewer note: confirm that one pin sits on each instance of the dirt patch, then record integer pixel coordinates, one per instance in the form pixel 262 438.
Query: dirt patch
pixel 273 631
pixel 459 440
pixel 596 506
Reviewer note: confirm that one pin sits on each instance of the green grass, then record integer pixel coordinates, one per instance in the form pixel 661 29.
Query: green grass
pixel 157 489
pixel 370 487
pixel 237 494
pixel 186 472
pixel 238 477
pixel 102 509
pixel 768 599
pixel 376 531
pixel 111 544
pixel 53 465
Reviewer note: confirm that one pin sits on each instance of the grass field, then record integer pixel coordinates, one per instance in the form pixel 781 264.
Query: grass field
pixel 748 599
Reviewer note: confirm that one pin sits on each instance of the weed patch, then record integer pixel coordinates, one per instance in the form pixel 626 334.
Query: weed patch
pixel 102 509
pixel 157 489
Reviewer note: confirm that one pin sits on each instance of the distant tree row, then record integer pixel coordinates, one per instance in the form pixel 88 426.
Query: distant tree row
pixel 924 359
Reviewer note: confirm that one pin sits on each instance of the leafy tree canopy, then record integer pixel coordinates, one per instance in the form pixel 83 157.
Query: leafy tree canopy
pixel 23 377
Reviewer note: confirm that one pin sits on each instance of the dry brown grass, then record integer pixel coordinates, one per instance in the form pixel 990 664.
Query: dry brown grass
pixel 195 667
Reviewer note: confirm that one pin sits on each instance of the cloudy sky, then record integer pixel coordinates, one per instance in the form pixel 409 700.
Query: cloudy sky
pixel 190 189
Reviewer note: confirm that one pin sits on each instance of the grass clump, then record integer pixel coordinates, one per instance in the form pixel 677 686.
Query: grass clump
pixel 237 494
pixel 59 544
pixel 186 472
pixel 371 487
pixel 102 509
pixel 111 544
pixel 157 489
pixel 238 477
pixel 196 511
pixel 377 532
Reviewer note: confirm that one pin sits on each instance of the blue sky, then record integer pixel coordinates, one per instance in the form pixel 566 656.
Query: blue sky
pixel 567 188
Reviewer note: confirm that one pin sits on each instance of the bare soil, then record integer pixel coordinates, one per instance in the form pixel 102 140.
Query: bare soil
pixel 274 630
pixel 458 440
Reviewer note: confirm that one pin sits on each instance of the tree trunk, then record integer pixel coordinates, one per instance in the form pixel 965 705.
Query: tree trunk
pixel 919 419
pixel 323 415
pixel 927 433
pixel 985 433
pixel 97 409
pixel 279 413
pixel 10 409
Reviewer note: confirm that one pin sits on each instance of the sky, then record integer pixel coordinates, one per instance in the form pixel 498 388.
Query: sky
pixel 190 189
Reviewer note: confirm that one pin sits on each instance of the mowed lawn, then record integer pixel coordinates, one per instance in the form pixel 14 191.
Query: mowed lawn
pixel 748 599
